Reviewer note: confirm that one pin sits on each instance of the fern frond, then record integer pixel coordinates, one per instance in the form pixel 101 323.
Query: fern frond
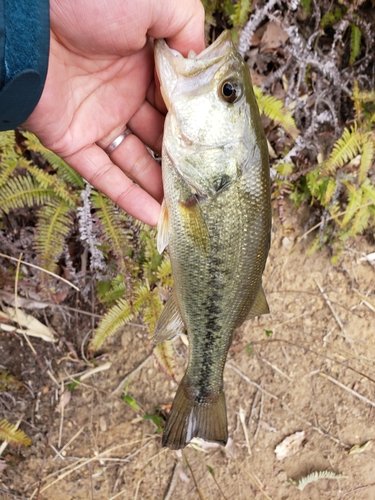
pixel 8 165
pixel 7 140
pixel 315 476
pixel 152 258
pixel 9 381
pixel 164 273
pixel 355 43
pixel 165 356
pixel 355 201
pixel 369 191
pixel 113 231
pixel 149 301
pixel 152 310
pixel 23 192
pixel 110 291
pixel 46 180
pixel 117 316
pixel 329 192
pixel 53 226
pixel 275 109
pixel 367 156
pixel 12 435
pixel 141 295
pixel 284 168
pixel 361 221
pixel 241 13
pixel 363 95
pixel 345 149
pixel 64 170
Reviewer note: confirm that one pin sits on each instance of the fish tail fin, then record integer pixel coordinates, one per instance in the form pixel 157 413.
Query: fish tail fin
pixel 189 419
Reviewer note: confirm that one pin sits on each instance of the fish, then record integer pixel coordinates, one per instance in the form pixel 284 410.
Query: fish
pixel 215 222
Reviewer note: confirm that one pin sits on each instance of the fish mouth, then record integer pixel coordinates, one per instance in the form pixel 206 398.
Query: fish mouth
pixel 194 64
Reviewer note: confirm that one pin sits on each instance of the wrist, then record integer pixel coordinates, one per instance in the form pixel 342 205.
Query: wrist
pixel 24 45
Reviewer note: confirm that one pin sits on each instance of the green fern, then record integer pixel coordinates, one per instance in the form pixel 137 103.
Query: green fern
pixel 120 314
pixel 114 237
pixel 355 201
pixel 165 356
pixel 111 290
pixel 164 273
pixel 367 156
pixel 65 171
pixel 151 257
pixel 355 43
pixel 315 476
pixel 344 150
pixel 60 189
pixel 152 309
pixel 53 226
pixel 23 192
pixel 7 167
pixel 241 13
pixel 275 109
pixel 12 435
pixel 9 382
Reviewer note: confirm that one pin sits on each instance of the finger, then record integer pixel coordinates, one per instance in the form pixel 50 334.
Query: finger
pixel 97 168
pixel 134 159
pixel 147 123
pixel 181 23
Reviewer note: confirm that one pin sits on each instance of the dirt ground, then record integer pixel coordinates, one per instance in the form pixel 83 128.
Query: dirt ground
pixel 314 373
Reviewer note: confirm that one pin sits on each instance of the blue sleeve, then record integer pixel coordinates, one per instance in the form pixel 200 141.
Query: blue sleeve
pixel 24 50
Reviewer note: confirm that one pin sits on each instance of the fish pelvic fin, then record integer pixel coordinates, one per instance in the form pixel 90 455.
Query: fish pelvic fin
pixel 163 227
pixel 189 418
pixel 170 322
pixel 260 305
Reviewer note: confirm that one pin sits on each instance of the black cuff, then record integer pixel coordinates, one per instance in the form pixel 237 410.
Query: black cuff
pixel 24 50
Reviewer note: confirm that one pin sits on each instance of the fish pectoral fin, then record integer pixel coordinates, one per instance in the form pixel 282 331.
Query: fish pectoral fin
pixel 194 224
pixel 260 305
pixel 169 323
pixel 189 418
pixel 163 223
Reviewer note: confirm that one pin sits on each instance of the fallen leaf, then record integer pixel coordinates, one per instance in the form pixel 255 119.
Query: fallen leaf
pixel 290 446
pixel 34 328
pixel 273 37
pixel 64 400
pixel 358 448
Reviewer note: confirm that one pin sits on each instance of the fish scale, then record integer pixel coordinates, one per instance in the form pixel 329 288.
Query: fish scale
pixel 215 222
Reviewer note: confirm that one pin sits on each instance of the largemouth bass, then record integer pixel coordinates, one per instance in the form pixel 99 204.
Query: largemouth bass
pixel 215 220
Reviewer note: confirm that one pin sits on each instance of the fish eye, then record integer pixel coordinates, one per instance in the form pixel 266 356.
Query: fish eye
pixel 230 91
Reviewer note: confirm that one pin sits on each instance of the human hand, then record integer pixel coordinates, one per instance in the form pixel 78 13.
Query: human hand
pixel 101 78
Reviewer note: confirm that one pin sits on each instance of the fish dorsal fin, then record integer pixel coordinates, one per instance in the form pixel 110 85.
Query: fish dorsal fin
pixel 260 305
pixel 194 224
pixel 163 223
pixel 169 323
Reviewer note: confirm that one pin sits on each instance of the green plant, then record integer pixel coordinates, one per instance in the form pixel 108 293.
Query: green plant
pixel 53 195
pixel 45 194
pixel 234 14
pixel 12 435
pixel 341 184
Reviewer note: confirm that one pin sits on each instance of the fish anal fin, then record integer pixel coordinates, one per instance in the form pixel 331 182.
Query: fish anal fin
pixel 260 305
pixel 194 223
pixel 189 418
pixel 163 223
pixel 169 323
